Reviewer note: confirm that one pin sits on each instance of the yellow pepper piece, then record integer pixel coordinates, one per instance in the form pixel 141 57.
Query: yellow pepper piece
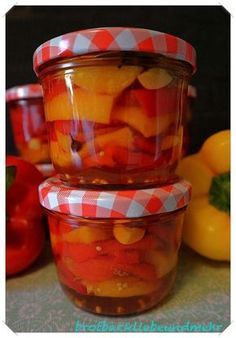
pixel 128 235
pixel 121 287
pixel 136 118
pixel 87 234
pixel 197 173
pixel 80 105
pixel 106 79
pixel 155 78
pixel 215 152
pixel 170 141
pixel 207 229
pixel 60 150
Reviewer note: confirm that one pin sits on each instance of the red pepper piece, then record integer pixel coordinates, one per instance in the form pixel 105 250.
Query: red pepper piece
pixel 105 267
pixel 148 145
pixel 69 279
pixel 72 128
pixel 52 136
pixel 127 257
pixel 147 100
pixel 83 252
pixel 129 253
pixel 54 88
pixel 95 270
pixel 80 252
pixel 158 101
pixel 99 161
pixel 126 157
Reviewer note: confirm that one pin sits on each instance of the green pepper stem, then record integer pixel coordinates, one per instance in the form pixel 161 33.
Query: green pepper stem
pixel 219 194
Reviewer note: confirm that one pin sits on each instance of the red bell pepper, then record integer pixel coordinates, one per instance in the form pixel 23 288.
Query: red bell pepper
pixel 25 232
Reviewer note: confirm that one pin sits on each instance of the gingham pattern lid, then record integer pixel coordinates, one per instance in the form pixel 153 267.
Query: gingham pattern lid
pixel 113 204
pixel 24 92
pixel 114 39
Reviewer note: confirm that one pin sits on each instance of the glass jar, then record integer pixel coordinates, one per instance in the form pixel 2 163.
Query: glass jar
pixel 116 253
pixel 28 122
pixel 114 108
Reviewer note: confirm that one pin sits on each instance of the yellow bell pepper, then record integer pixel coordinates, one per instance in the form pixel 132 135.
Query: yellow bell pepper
pixel 207 220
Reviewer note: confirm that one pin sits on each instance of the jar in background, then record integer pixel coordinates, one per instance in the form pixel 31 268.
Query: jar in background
pixel 116 252
pixel 113 103
pixel 28 122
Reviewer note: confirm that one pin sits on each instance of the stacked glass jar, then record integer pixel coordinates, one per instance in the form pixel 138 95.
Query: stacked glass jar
pixel 113 102
pixel 28 124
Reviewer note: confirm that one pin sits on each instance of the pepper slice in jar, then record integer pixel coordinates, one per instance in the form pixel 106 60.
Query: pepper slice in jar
pixel 128 235
pixel 156 102
pixel 137 119
pixel 121 287
pixel 83 105
pixel 114 155
pixel 68 279
pixel 121 137
pixel 82 252
pixel 106 79
pixel 128 253
pixel 87 234
pixel 155 78
pixel 105 267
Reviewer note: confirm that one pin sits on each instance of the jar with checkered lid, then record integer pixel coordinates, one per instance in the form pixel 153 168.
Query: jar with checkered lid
pixel 116 252
pixel 113 99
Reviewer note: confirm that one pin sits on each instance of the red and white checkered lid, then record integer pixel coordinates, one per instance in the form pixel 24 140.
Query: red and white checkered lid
pixel 55 196
pixel 114 39
pixel 24 92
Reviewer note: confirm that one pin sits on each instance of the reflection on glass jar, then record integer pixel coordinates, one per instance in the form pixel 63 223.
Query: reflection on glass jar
pixel 187 117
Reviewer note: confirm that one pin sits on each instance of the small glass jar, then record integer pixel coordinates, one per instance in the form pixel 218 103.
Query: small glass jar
pixel 116 252
pixel 114 105
pixel 28 122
